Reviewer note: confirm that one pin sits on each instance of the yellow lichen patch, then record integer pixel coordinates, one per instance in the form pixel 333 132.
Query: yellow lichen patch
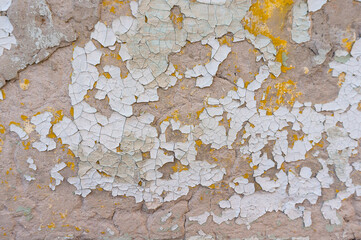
pixel 226 40
pixel 24 85
pixel 174 116
pixel 296 138
pixel 199 142
pixel 51 133
pixel 265 16
pixel 15 123
pixel 119 149
pixel 24 118
pixel 26 145
pixel 112 9
pixel 110 2
pixel 103 174
pixel 285 94
pixel 8 171
pixel 63 215
pixel 2 129
pixel 199 112
pixel 341 79
pixel 70 153
pixel 176 17
pixel 72 111
pixel 178 167
pixel 51 225
pixel 70 165
pixel 348 42
pixel 146 155
pixel 58 116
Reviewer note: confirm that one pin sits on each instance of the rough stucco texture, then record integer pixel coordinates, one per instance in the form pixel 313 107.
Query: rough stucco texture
pixel 180 119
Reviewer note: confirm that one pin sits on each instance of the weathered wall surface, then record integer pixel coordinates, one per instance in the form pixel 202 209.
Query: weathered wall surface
pixel 178 119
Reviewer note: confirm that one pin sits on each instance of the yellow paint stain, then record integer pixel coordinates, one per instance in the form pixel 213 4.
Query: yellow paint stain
pixel 320 144
pixel 26 145
pixel 70 165
pixel 2 129
pixel 226 40
pixel 70 153
pixel 24 118
pixel 178 167
pixel 51 225
pixel 119 149
pixel 263 14
pixel 146 155
pixel 199 112
pixel 8 171
pixel 63 215
pixel 177 18
pixel 72 112
pixel 107 75
pixel 51 133
pixel 199 142
pixel 246 83
pixel 24 85
pixel 15 123
pixel 347 43
pixel 103 174
pixel 110 2
pixel 341 79
pixel 285 94
pixel 174 116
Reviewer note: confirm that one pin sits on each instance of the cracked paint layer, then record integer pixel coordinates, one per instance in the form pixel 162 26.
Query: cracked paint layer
pixel 123 147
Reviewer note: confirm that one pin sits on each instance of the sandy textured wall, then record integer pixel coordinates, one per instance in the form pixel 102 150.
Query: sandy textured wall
pixel 178 119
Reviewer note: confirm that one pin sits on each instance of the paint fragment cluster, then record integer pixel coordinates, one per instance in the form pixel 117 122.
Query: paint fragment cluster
pixel 125 153
pixel 7 39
